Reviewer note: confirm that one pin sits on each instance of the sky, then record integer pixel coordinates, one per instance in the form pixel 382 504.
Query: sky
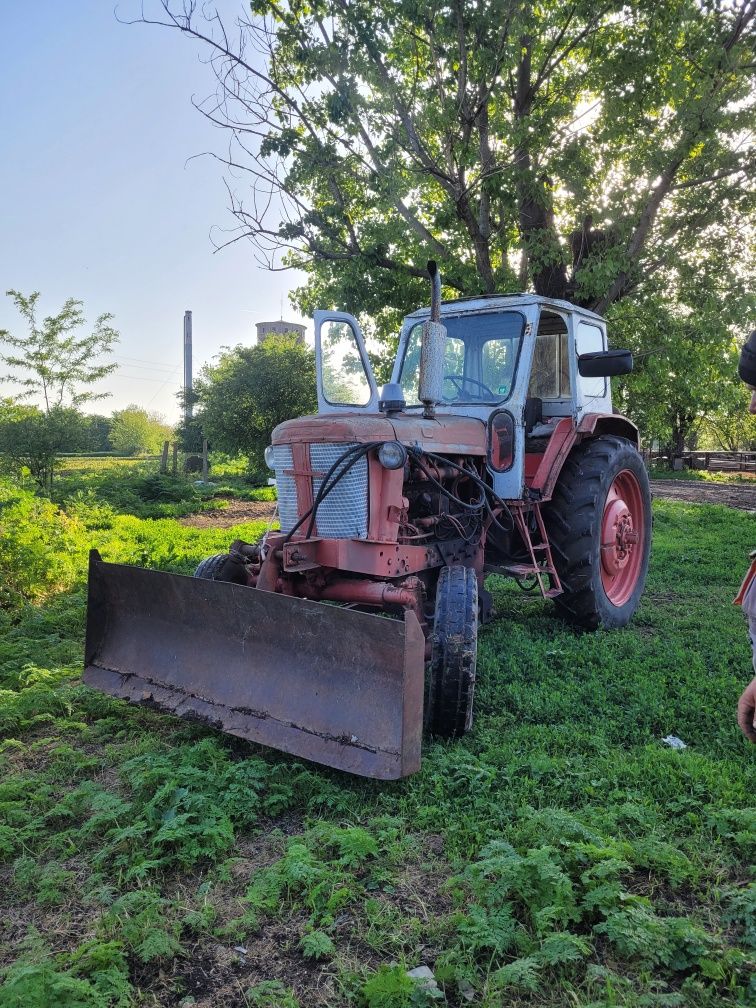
pixel 102 196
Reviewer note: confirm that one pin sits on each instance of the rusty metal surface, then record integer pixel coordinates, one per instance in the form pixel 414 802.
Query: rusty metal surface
pixel 449 435
pixel 332 685
pixel 381 559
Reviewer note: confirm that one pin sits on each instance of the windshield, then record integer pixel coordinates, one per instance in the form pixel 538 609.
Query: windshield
pixel 480 358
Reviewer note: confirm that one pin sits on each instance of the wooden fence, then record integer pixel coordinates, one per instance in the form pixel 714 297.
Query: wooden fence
pixel 714 461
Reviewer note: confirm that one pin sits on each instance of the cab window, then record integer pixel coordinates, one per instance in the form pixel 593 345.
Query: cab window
pixel 550 373
pixel 480 357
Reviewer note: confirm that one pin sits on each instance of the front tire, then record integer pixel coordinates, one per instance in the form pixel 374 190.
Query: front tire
pixel 450 679
pixel 599 527
pixel 222 567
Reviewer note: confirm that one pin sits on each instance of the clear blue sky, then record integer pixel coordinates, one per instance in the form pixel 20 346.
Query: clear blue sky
pixel 99 199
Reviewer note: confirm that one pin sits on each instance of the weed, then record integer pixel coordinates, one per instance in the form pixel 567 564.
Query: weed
pixel 271 994
pixel 316 945
pixel 558 854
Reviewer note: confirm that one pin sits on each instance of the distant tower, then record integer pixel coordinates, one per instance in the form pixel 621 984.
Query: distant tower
pixel 187 366
pixel 265 328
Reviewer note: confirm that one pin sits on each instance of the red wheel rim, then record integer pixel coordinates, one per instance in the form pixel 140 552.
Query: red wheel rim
pixel 623 529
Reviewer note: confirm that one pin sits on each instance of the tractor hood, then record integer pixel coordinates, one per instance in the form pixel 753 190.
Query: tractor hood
pixel 447 435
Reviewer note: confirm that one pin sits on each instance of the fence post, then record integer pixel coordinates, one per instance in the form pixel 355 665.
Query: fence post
pixel 164 459
pixel 175 459
pixel 204 460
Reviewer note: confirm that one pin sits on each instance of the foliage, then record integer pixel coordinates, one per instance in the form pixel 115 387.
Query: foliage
pixel 558 854
pixel 54 361
pixel 34 440
pixel 28 528
pixel 685 334
pixel 250 390
pixel 135 487
pixel 189 434
pixel 270 994
pixel 577 147
pixel 99 433
pixel 389 987
pixel 94 976
pixel 731 427
pixel 135 431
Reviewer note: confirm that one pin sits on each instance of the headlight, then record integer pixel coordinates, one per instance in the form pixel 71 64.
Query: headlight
pixel 270 457
pixel 392 455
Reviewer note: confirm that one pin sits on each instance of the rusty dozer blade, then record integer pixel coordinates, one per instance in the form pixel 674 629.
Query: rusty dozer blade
pixel 339 687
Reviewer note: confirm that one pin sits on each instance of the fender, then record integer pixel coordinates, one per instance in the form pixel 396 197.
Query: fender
pixel 566 435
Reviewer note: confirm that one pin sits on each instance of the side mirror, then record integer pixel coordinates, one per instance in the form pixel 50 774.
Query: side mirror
pixel 605 363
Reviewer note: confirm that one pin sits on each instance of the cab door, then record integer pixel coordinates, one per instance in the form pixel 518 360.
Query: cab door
pixel 344 376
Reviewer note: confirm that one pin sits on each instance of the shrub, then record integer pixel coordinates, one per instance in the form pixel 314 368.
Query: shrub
pixel 38 544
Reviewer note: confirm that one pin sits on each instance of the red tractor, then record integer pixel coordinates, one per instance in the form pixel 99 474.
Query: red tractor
pixel 493 450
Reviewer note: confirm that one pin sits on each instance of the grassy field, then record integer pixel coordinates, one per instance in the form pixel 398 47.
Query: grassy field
pixel 561 854
pixel 134 486
pixel 702 475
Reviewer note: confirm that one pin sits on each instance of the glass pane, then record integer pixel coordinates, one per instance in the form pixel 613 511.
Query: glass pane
pixel 589 339
pixel 544 376
pixel 480 358
pixel 454 367
pixel 345 382
pixel 498 365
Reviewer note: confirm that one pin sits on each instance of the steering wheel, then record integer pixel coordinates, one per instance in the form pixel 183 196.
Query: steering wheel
pixel 459 382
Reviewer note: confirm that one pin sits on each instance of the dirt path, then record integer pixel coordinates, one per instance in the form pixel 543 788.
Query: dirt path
pixel 237 512
pixel 735 495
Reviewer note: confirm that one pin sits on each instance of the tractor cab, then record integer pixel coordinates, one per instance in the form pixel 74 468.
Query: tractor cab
pixel 519 363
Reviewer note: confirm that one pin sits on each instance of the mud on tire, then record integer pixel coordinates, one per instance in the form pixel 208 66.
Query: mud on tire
pixel 450 677
pixel 602 582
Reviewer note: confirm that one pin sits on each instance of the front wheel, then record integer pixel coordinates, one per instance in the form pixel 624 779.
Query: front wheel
pixel 222 567
pixel 599 527
pixel 450 678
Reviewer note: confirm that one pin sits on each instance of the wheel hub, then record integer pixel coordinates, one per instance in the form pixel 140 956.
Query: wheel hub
pixel 617 536
pixel 621 528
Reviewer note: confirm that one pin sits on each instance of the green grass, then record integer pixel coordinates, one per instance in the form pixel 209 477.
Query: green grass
pixel 701 475
pixel 134 486
pixel 558 855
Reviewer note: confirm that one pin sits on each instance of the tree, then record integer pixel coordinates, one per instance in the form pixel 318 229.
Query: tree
pixel 135 431
pixel 685 336
pixel 99 433
pixel 32 439
pixel 250 390
pixel 188 431
pixel 54 361
pixel 731 427
pixel 577 147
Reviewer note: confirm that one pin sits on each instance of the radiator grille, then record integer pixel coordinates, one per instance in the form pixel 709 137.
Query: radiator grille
pixel 285 487
pixel 344 512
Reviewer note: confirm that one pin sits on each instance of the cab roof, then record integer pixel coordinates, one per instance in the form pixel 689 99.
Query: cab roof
pixel 479 302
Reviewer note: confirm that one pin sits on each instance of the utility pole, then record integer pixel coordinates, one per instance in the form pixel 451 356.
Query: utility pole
pixel 187 366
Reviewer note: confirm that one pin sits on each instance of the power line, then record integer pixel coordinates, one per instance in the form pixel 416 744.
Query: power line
pixel 141 360
pixel 144 367
pixel 145 378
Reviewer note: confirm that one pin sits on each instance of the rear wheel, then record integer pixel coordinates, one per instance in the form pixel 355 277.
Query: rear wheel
pixel 450 678
pixel 599 528
pixel 222 567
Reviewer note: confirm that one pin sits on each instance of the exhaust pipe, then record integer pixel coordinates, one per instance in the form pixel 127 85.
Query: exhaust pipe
pixel 430 386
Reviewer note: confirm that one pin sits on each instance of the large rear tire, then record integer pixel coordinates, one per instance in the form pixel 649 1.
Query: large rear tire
pixel 450 679
pixel 599 527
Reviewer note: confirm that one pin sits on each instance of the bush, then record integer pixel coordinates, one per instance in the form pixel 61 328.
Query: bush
pixel 38 544
pixel 134 431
